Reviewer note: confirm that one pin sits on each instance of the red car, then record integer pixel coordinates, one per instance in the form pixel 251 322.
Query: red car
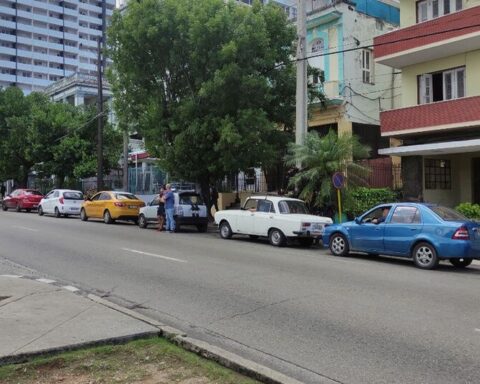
pixel 19 199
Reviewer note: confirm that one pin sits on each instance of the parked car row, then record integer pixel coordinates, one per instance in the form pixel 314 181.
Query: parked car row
pixel 108 206
pixel 426 233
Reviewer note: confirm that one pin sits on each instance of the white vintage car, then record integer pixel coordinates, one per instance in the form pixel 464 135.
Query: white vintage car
pixel 277 217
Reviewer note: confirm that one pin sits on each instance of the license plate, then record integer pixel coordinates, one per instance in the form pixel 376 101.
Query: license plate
pixel 132 206
pixel 74 209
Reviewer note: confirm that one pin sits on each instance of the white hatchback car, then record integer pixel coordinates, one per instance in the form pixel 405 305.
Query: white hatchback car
pixel 61 202
pixel 277 217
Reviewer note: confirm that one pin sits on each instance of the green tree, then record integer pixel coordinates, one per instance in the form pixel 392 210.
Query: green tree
pixel 320 157
pixel 50 138
pixel 201 81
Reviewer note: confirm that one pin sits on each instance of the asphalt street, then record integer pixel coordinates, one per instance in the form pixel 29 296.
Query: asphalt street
pixel 312 316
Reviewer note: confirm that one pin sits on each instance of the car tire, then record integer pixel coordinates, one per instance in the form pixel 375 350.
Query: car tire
pixel 107 217
pixel 4 207
pixel 225 230
pixel 339 245
pixel 276 237
pixel 83 215
pixel 40 210
pixel 202 228
pixel 425 256
pixel 17 208
pixel 461 263
pixel 142 221
pixel 57 213
pixel 306 242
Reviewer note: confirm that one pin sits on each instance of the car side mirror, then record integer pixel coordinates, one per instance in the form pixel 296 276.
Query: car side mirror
pixel 357 220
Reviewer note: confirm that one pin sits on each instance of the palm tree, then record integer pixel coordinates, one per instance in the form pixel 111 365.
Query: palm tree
pixel 320 157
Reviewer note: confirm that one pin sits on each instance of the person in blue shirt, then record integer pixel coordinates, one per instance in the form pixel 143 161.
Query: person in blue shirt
pixel 169 208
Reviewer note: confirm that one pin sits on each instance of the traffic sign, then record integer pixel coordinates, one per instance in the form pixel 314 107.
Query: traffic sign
pixel 338 180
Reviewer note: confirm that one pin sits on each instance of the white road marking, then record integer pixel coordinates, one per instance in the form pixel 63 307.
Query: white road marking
pixel 154 255
pixel 477 329
pixel 13 276
pixel 26 228
pixel 70 288
pixel 48 281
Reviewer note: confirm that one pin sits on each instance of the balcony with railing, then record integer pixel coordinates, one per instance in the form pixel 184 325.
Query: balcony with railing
pixel 433 117
pixel 444 36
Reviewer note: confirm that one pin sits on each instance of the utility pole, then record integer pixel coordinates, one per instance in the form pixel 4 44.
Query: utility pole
pixel 301 99
pixel 125 160
pixel 100 117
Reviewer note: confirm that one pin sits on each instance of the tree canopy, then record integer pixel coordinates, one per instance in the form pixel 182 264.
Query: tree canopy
pixel 207 83
pixel 49 138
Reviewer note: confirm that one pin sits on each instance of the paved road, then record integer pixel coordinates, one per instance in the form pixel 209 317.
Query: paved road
pixel 303 312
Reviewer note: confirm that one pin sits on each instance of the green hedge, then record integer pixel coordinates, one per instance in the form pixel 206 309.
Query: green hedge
pixel 361 199
pixel 472 211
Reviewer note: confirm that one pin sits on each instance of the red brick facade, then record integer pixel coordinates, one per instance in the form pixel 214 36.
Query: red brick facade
pixel 456 24
pixel 456 111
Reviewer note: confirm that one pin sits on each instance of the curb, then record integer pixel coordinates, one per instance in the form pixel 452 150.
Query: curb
pixel 206 350
pixel 24 357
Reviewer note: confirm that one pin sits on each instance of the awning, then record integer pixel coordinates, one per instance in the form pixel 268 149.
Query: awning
pixel 449 147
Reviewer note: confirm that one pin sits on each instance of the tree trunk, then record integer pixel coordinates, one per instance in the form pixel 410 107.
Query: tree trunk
pixel 205 192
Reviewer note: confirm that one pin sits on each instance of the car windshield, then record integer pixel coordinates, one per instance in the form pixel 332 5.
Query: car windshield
pixel 190 198
pixel 292 206
pixel 125 196
pixel 448 214
pixel 73 195
pixel 36 193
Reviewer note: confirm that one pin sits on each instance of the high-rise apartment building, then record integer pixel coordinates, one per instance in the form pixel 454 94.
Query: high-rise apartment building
pixel 42 41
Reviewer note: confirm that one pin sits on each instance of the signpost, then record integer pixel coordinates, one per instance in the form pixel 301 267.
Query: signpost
pixel 338 180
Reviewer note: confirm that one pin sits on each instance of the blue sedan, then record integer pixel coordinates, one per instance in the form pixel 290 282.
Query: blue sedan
pixel 427 233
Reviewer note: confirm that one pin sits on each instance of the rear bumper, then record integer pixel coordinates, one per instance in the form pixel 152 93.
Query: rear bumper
pixel 457 250
pixel 308 234
pixel 182 220
pixel 29 204
pixel 70 210
pixel 124 214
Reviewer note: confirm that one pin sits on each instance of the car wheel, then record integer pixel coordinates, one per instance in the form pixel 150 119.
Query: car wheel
pixel 202 228
pixel 4 207
pixel 461 263
pixel 83 215
pixel 306 242
pixel 425 256
pixel 17 208
pixel 142 221
pixel 107 217
pixel 276 237
pixel 57 213
pixel 339 245
pixel 225 230
pixel 40 210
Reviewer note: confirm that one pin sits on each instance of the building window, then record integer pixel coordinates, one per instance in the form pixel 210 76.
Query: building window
pixel 367 66
pixel 439 86
pixel 438 174
pixel 431 9
pixel 317 45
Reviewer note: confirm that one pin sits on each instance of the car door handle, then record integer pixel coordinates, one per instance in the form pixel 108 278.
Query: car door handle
pixel 413 229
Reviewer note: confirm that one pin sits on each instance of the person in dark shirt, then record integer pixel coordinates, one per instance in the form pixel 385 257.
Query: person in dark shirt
pixel 169 208
pixel 161 209
pixel 382 219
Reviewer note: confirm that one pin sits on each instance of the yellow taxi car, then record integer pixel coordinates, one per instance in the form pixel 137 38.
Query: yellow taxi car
pixel 111 206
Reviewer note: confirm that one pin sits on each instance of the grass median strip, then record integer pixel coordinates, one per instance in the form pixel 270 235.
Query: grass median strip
pixel 146 361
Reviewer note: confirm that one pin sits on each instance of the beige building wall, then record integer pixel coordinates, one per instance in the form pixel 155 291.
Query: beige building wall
pixel 471 60
pixel 408 11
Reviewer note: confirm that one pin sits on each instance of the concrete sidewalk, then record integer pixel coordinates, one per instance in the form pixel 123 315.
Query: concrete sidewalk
pixel 37 317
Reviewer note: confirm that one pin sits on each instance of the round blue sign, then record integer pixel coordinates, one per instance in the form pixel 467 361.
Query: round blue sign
pixel 338 180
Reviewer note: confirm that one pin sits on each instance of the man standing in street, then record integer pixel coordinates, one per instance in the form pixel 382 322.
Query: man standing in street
pixel 2 190
pixel 169 207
